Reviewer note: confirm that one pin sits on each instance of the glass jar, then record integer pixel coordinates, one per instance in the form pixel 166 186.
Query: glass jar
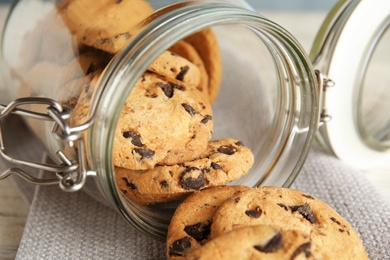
pixel 63 60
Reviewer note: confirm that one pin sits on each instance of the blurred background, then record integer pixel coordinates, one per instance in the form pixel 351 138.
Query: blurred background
pixel 279 4
pixel 298 5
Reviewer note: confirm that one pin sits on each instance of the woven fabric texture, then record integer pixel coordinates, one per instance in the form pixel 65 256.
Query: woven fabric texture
pixel 74 226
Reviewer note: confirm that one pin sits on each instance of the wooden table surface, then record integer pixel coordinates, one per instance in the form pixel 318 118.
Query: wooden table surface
pixel 13 214
pixel 14 210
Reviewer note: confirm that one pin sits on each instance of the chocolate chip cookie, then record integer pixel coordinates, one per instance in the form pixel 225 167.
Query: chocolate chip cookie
pixel 82 108
pixel 223 161
pixel 163 122
pixel 332 236
pixel 190 226
pixel 187 51
pixel 256 242
pixel 103 24
pixel 206 44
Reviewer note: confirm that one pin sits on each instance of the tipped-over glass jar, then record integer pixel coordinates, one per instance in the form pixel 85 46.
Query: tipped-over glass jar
pixel 140 103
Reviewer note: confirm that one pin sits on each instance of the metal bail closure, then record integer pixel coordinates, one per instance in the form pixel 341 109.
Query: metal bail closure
pixel 323 84
pixel 352 49
pixel 70 175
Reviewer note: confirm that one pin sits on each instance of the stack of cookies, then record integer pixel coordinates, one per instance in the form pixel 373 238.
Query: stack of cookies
pixel 237 222
pixel 162 149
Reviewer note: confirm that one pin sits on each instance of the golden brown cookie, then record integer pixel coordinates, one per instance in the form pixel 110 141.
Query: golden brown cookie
pixel 164 122
pixel 256 242
pixel 223 161
pixel 82 108
pixel 103 24
pixel 206 44
pixel 332 236
pixel 173 66
pixel 189 228
pixel 188 51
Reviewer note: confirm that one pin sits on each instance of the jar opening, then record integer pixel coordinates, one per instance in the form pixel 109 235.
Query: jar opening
pixel 266 101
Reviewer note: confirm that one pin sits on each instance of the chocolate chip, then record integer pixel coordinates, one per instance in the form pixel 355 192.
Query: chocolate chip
pixel 131 185
pixel 304 248
pixel 190 110
pixel 305 211
pixel 342 230
pixel 164 184
pixel 237 199
pixel 239 143
pixel 167 89
pixel 144 152
pixel 216 166
pixel 206 118
pixel 180 246
pixel 199 231
pixel 308 196
pixel 273 245
pixel 227 149
pixel 335 221
pixel 192 178
pixel 282 206
pixel 182 73
pixel 153 95
pixel 135 138
pixel 254 213
pixel 119 1
pixel 177 86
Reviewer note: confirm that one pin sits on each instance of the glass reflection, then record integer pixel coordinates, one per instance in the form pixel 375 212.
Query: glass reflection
pixel 374 99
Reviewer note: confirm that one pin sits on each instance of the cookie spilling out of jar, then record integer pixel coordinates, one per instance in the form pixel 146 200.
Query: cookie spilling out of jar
pixel 238 222
pixel 163 148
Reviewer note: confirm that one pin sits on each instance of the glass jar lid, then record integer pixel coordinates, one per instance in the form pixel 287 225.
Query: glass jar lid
pixel 351 48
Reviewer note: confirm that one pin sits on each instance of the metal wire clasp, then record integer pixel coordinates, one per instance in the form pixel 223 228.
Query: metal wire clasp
pixel 70 174
pixel 323 84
